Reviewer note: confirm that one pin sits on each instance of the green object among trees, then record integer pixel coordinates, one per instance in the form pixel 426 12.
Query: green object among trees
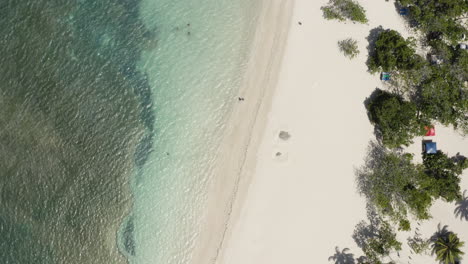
pixel 343 10
pixel 447 249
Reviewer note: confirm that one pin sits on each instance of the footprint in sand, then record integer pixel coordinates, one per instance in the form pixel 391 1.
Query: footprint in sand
pixel 284 135
pixel 280 156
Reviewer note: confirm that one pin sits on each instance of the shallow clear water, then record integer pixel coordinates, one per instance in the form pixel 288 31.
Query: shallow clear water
pixel 194 71
pixel 111 114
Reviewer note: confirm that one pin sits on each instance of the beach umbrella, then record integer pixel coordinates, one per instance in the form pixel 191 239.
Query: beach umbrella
pixel 430 131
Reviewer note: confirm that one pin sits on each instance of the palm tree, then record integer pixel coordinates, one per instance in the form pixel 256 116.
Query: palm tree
pixel 447 248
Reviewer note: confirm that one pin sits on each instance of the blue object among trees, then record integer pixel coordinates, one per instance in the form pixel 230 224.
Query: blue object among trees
pixel 430 147
pixel 404 11
pixel 385 76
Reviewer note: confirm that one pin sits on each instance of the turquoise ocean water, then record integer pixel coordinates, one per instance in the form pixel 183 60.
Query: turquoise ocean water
pixel 111 114
pixel 195 71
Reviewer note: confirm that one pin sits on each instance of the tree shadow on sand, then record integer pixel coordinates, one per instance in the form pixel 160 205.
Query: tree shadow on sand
pixel 371 39
pixel 362 259
pixel 409 22
pixel 442 231
pixel 458 158
pixel 365 231
pixel 377 132
pixel 461 209
pixel 342 257
pixel 373 160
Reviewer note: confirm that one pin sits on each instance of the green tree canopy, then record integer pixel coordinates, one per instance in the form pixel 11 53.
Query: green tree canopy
pixel 443 97
pixel 442 49
pixel 460 66
pixel 343 10
pixel 444 175
pixel 447 248
pixel 395 119
pixel 392 52
pixel 377 239
pixel 437 16
pixel 394 184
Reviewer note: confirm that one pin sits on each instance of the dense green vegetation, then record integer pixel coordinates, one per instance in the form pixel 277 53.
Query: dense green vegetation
pixel 377 238
pixel 395 119
pixel 424 89
pixel 437 16
pixel 447 248
pixel 442 97
pixel 393 52
pixel 382 244
pixel 397 187
pixel 394 185
pixel 349 47
pixel 343 10
pixel 440 90
pixel 444 175
pixel 437 92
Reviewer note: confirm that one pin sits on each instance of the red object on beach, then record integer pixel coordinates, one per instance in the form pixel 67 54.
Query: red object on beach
pixel 430 131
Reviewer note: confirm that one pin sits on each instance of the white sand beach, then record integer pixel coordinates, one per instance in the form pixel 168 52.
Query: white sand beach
pixel 294 201
pixel 244 129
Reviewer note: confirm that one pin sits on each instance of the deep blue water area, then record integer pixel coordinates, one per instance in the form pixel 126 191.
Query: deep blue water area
pixel 75 124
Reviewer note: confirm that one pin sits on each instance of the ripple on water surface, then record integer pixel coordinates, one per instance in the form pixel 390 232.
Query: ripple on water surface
pixel 72 115
pixel 94 94
pixel 194 71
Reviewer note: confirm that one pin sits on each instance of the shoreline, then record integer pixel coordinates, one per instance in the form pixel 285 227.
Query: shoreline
pixel 245 125
pixel 303 206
